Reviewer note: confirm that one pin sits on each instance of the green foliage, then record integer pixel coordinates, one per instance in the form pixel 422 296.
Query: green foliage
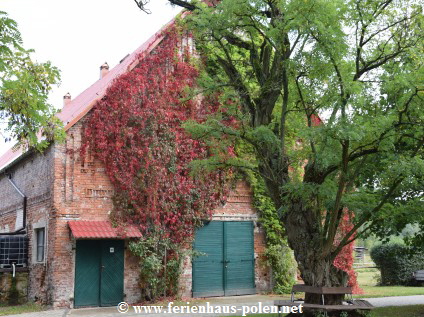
pixel 31 307
pixel 24 88
pixel 160 266
pixel 279 255
pixel 280 258
pixel 397 263
pixel 279 67
pixel 135 131
pixel 357 65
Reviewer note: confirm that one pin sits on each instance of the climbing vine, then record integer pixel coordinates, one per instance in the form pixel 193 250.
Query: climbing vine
pixel 160 265
pixel 135 130
pixel 279 255
pixel 344 260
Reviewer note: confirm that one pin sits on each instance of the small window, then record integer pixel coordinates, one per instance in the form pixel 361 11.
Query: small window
pixel 40 239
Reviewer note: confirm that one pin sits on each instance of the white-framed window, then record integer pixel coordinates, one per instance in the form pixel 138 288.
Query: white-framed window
pixel 40 242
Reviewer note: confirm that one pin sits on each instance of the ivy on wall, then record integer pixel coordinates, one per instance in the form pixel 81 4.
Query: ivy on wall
pixel 136 131
pixel 278 254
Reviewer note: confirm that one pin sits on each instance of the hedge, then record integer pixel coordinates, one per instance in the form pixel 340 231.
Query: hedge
pixel 397 263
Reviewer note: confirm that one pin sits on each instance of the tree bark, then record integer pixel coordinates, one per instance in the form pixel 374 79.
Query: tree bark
pixel 304 237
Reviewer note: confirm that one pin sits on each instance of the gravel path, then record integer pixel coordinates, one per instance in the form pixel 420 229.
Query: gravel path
pixel 397 301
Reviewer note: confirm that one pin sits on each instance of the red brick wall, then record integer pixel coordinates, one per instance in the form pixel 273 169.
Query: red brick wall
pixel 82 191
pixel 237 208
pixel 60 187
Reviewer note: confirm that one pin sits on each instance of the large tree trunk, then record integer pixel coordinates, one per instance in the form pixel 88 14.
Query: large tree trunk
pixel 303 231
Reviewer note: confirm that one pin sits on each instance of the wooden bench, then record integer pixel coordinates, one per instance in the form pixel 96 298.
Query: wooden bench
pixel 350 304
pixel 418 275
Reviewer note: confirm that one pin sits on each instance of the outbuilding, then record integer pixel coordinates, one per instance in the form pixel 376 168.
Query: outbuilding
pixel 59 206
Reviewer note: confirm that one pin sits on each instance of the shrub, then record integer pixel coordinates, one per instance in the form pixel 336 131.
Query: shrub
pixel 160 266
pixel 396 263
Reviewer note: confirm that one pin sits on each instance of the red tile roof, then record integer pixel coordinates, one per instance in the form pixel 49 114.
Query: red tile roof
pixel 101 230
pixel 72 112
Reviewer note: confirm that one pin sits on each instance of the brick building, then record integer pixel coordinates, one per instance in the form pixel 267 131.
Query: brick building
pixel 75 257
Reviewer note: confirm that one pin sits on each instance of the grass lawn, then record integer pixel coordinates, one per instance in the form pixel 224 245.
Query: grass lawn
pixel 368 279
pixel 25 308
pixel 404 311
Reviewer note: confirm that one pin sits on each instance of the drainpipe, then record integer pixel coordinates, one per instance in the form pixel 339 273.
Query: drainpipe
pixel 24 212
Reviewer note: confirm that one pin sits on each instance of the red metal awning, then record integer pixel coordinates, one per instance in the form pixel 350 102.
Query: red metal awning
pixel 101 230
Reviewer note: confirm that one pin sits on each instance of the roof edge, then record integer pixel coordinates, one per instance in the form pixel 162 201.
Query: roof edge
pixel 155 38
pixel 17 160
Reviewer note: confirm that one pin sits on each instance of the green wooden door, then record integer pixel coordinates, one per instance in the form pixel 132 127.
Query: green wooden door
pixel 226 263
pixel 112 272
pixel 87 273
pixel 99 272
pixel 208 273
pixel 239 258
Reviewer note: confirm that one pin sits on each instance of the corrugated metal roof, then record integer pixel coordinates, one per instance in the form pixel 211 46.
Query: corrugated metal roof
pixel 101 230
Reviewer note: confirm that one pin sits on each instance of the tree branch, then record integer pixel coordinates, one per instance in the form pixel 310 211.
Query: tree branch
pixel 332 226
pixel 369 214
pixel 184 4
pixel 236 41
pixel 388 195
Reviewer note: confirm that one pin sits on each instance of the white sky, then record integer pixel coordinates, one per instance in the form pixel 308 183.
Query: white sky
pixel 78 36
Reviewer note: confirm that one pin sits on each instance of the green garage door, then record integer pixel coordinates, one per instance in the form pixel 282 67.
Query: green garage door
pixel 99 272
pixel 226 265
